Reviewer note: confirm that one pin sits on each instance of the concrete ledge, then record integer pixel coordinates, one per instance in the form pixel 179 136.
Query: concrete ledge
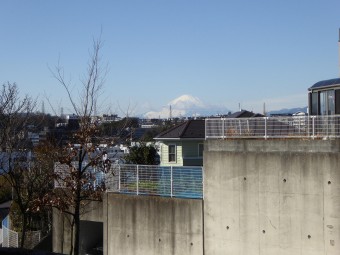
pixel 273 145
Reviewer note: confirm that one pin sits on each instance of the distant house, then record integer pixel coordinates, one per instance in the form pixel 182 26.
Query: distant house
pixel 182 145
pixel 244 114
pixel 4 210
pixel 324 97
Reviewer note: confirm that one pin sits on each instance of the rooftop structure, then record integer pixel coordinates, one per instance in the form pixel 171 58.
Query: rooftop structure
pixel 192 129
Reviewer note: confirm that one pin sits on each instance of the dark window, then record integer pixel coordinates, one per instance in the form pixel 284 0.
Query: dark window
pixel 200 149
pixel 172 153
pixel 337 101
pixel 314 103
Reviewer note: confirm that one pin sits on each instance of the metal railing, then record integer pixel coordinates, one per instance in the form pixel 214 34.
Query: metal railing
pixel 168 181
pixel 63 176
pixel 11 238
pixel 313 127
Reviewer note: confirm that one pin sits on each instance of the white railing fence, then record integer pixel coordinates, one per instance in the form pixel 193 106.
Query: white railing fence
pixel 63 177
pixel 11 238
pixel 170 181
pixel 312 127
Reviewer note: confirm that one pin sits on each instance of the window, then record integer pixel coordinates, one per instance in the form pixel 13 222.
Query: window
pixel 337 101
pixel 315 103
pixel 200 149
pixel 172 153
pixel 327 105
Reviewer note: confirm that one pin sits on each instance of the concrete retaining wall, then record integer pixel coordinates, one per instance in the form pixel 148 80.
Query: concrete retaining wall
pixel 61 231
pixel 260 197
pixel 152 225
pixel 272 197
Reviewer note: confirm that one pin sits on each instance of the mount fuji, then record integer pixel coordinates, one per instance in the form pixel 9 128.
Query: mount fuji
pixel 186 106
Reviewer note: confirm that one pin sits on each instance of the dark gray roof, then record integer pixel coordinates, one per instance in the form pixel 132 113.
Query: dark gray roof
pixel 244 114
pixel 6 205
pixel 326 83
pixel 191 129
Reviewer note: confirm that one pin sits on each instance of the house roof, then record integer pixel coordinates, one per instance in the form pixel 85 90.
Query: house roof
pixel 195 129
pixel 191 129
pixel 326 84
pixel 244 114
pixel 6 205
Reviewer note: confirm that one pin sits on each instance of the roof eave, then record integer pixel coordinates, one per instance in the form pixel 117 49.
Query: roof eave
pixel 324 87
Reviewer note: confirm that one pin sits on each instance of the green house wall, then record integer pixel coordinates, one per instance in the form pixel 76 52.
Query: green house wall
pixel 186 152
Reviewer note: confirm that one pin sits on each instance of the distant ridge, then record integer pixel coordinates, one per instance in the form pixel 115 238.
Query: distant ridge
pixel 289 111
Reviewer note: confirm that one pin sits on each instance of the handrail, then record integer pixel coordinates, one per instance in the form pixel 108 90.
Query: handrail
pixel 154 180
pixel 311 127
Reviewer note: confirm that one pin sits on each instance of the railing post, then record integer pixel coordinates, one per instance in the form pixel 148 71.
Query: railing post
pixel 137 180
pixel 308 124
pixel 202 169
pixel 239 126
pixel 17 234
pixel 171 182
pixel 223 128
pixel 265 128
pixel 119 170
pixel 313 126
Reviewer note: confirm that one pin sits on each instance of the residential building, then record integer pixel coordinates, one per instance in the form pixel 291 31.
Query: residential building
pixel 324 97
pixel 182 145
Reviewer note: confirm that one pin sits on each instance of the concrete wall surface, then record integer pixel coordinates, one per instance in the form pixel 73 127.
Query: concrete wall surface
pixel 61 230
pixel 152 225
pixel 272 197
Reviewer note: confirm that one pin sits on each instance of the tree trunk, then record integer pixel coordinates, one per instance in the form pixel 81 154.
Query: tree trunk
pixel 76 228
pixel 77 207
pixel 23 233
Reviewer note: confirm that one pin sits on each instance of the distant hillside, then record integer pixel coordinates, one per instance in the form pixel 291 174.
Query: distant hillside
pixel 289 111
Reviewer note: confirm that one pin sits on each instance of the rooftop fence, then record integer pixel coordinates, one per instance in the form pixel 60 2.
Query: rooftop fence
pixel 10 238
pixel 311 127
pixel 166 181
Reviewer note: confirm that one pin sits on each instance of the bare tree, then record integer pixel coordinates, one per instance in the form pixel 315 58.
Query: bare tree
pixel 80 161
pixel 15 113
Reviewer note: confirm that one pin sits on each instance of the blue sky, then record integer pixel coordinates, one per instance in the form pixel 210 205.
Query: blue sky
pixel 223 52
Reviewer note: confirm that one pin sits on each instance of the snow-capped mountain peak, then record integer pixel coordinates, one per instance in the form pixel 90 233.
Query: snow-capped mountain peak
pixel 186 101
pixel 185 106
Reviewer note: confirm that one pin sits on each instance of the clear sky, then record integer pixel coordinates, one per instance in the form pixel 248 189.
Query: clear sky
pixel 223 52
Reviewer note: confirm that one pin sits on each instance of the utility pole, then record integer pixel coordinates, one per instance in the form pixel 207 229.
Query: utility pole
pixel 170 113
pixel 339 51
